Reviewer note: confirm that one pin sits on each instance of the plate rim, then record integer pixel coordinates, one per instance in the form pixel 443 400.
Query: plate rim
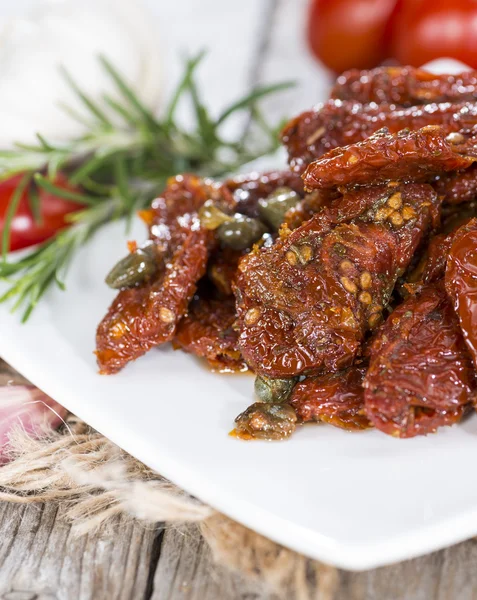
pixel 349 556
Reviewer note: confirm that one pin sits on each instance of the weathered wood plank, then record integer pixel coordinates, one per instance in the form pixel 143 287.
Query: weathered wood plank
pixel 445 575
pixel 41 560
pixel 410 580
pixel 186 571
pixel 8 375
pixel 457 577
pixel 40 556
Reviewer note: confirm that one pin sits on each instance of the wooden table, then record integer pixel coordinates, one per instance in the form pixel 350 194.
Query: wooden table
pixel 41 560
pixel 251 41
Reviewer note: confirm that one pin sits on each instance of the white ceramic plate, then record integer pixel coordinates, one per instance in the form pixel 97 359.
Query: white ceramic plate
pixel 356 500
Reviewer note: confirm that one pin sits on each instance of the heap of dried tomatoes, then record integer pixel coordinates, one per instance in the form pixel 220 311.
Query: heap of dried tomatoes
pixel 347 284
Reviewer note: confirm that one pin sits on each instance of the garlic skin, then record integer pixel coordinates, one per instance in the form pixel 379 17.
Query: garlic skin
pixel 28 408
pixel 72 34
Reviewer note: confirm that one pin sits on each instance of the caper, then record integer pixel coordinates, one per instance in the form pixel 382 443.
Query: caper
pixel 135 268
pixel 211 216
pixel 240 233
pixel 273 390
pixel 273 208
pixel 267 421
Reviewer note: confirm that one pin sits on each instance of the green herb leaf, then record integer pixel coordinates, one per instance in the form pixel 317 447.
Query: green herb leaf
pixel 127 92
pixel 121 162
pixel 92 107
pixel 184 84
pixel 249 100
pixel 49 186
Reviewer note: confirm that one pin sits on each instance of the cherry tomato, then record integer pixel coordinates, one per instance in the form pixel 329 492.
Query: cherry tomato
pixel 347 34
pixel 426 29
pixel 24 231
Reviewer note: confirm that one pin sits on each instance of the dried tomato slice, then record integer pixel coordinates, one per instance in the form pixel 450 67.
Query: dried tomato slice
pixel 431 268
pixel 305 303
pixel 336 123
pixel 309 206
pixel 420 375
pixel 142 317
pixel 405 86
pixel 408 156
pixel 207 331
pixel 334 398
pixel 458 188
pixel 222 269
pixel 461 282
pixel 454 216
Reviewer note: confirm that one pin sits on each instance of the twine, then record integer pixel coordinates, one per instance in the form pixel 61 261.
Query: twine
pixel 94 481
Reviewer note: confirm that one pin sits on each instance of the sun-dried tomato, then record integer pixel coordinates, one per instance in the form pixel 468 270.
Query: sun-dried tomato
pixel 405 86
pixel 207 331
pixel 407 156
pixel 420 375
pixel 461 282
pixel 142 317
pixel 334 398
pixel 305 303
pixel 222 269
pixel 457 188
pixel 454 216
pixel 311 204
pixel 431 267
pixel 336 123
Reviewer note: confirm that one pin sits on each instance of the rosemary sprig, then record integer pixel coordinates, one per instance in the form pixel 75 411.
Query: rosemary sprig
pixel 120 163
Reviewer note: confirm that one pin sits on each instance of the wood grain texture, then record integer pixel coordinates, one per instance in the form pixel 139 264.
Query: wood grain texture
pixel 186 571
pixel 446 575
pixel 40 559
pixel 8 375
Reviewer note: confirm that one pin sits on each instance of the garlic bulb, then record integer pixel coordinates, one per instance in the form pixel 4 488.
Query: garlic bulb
pixel 28 408
pixel 72 34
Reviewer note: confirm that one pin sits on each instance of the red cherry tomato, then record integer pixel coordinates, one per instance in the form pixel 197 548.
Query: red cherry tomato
pixel 347 34
pixel 426 29
pixel 24 231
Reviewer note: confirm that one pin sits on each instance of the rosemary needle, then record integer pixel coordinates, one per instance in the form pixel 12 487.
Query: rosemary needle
pixel 120 163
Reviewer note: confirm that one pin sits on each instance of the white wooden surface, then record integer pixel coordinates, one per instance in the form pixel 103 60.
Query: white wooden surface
pixel 251 41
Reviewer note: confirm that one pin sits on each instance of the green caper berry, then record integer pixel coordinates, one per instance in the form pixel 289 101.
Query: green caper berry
pixel 275 421
pixel 273 208
pixel 240 233
pixel 273 390
pixel 211 216
pixel 134 269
